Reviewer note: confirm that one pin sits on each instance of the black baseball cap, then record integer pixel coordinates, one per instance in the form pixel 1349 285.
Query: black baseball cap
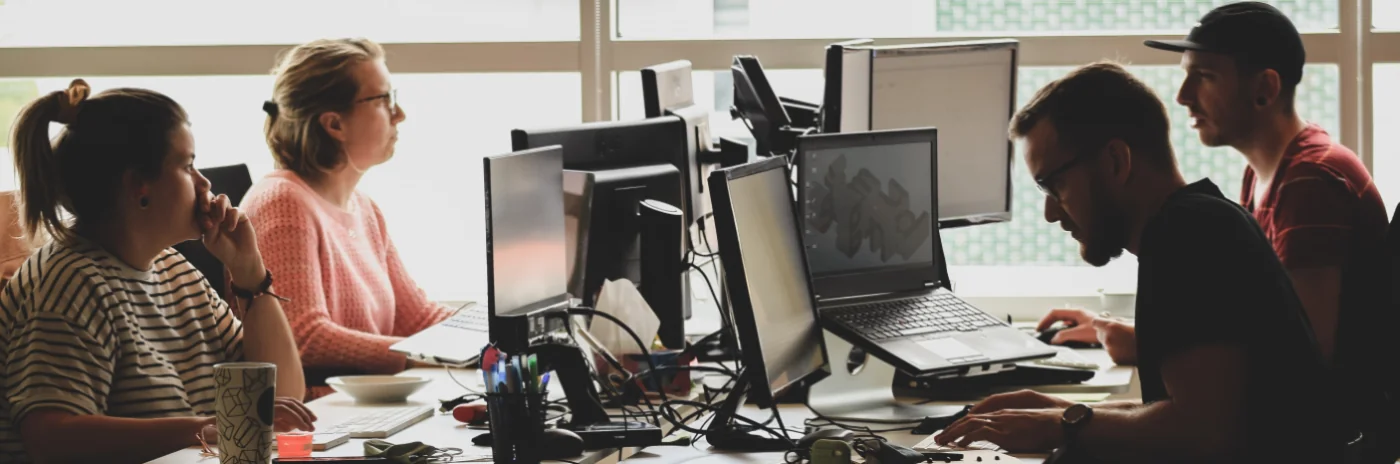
pixel 1254 33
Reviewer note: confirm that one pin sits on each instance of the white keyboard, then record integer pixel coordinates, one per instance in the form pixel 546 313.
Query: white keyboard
pixel 1066 357
pixel 928 445
pixel 381 423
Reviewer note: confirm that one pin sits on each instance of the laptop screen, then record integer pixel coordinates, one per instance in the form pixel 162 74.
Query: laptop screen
pixel 867 205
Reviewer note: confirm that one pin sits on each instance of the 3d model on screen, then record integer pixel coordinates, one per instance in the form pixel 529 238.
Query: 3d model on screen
pixel 860 210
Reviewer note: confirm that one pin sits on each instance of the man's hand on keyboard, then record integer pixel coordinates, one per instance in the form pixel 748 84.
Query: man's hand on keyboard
pixel 1014 430
pixel 290 414
pixel 1023 399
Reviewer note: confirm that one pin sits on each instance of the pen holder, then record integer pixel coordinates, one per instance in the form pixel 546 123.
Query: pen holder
pixel 517 427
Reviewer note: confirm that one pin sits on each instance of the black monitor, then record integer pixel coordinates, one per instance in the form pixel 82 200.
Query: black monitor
pixel 525 246
pixel 765 272
pixel 526 258
pixel 965 89
pixel 625 167
pixel 667 91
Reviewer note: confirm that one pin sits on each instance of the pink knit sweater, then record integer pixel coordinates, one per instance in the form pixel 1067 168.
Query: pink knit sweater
pixel 350 295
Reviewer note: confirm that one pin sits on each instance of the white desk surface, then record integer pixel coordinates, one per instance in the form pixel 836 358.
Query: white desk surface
pixel 1119 381
pixel 443 431
pixel 440 431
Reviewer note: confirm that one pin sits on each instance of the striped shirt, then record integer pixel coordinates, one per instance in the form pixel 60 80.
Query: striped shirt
pixel 83 332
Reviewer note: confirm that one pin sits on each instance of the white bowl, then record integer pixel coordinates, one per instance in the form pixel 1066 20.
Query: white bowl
pixel 377 388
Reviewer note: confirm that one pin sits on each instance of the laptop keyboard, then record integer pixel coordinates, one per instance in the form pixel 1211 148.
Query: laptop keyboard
pixel 932 314
pixel 473 318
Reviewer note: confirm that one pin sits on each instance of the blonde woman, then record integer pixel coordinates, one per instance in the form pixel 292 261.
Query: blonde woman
pixel 333 116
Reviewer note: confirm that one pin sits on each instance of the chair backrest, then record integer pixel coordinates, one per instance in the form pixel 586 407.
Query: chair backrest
pixel 234 181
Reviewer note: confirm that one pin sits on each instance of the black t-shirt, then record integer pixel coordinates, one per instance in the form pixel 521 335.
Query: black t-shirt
pixel 1208 275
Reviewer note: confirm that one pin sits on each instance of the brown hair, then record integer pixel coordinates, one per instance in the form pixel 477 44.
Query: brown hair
pixel 104 137
pixel 313 79
pixel 1098 103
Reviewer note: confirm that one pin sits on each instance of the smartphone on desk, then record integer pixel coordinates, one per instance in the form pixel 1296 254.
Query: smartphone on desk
pixel 355 459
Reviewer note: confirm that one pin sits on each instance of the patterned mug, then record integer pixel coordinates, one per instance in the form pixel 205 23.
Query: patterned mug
pixel 243 406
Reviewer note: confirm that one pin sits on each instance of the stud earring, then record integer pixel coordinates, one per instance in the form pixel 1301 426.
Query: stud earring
pixel 1262 102
pixel 145 202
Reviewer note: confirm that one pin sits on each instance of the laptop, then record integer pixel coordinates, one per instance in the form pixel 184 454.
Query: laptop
pixel 456 341
pixel 868 211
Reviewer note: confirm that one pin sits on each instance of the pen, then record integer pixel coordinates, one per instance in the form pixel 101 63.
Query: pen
pixel 514 380
pixel 544 382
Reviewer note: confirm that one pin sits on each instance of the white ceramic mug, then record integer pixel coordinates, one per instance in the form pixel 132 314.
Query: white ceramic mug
pixel 243 405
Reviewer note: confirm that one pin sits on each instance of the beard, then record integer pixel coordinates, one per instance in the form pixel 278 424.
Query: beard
pixel 1106 236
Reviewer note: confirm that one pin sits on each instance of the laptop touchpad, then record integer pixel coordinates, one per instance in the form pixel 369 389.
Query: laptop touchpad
pixel 949 348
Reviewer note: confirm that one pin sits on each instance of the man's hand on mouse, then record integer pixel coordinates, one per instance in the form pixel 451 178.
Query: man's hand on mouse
pixel 1118 338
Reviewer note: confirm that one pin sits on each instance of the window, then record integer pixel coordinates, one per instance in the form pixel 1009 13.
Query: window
pixel 431 192
pixel 1027 240
pixel 35 23
pixel 1385 15
pixel 1386 167
pixel 684 19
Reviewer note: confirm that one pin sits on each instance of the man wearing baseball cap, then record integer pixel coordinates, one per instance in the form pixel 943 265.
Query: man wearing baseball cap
pixel 1312 197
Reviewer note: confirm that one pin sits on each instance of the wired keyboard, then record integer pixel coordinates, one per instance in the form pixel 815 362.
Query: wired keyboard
pixel 916 316
pixel 381 423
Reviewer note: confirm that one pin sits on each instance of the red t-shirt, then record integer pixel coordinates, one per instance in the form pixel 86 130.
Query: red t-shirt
pixel 1322 208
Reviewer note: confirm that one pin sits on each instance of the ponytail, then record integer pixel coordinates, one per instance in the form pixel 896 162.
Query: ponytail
pixel 41 189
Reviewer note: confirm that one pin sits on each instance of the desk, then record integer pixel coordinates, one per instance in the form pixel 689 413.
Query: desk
pixel 1120 381
pixel 443 430
pixel 440 430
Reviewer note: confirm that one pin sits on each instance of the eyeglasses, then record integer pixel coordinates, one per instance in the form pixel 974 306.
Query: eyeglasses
pixel 392 97
pixel 1046 182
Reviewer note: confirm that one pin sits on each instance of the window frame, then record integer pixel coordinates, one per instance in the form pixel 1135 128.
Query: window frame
pixel 599 55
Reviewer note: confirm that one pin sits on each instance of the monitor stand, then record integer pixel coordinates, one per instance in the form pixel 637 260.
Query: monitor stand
pixel 727 433
pixel 867 395
pixel 588 418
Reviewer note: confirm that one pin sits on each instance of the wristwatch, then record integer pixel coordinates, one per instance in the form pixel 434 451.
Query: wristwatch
pixel 1073 420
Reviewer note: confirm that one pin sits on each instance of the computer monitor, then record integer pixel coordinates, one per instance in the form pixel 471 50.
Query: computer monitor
pixel 526 253
pixel 666 87
pixel 578 207
pixel 625 163
pixel 612 144
pixel 765 271
pixel 667 91
pixel 965 89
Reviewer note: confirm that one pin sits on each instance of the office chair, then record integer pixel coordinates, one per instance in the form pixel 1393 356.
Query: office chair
pixel 234 181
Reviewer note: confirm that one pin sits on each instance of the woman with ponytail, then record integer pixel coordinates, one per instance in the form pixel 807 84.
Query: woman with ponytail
pixel 108 337
pixel 333 116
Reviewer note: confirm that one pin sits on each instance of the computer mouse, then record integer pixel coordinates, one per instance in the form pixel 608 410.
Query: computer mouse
pixel 825 434
pixel 1049 334
pixel 561 444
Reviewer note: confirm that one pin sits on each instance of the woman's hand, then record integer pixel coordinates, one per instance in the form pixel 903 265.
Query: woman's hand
pixel 288 414
pixel 229 236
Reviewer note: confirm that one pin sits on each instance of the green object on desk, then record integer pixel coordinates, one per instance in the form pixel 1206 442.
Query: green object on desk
pixel 408 453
